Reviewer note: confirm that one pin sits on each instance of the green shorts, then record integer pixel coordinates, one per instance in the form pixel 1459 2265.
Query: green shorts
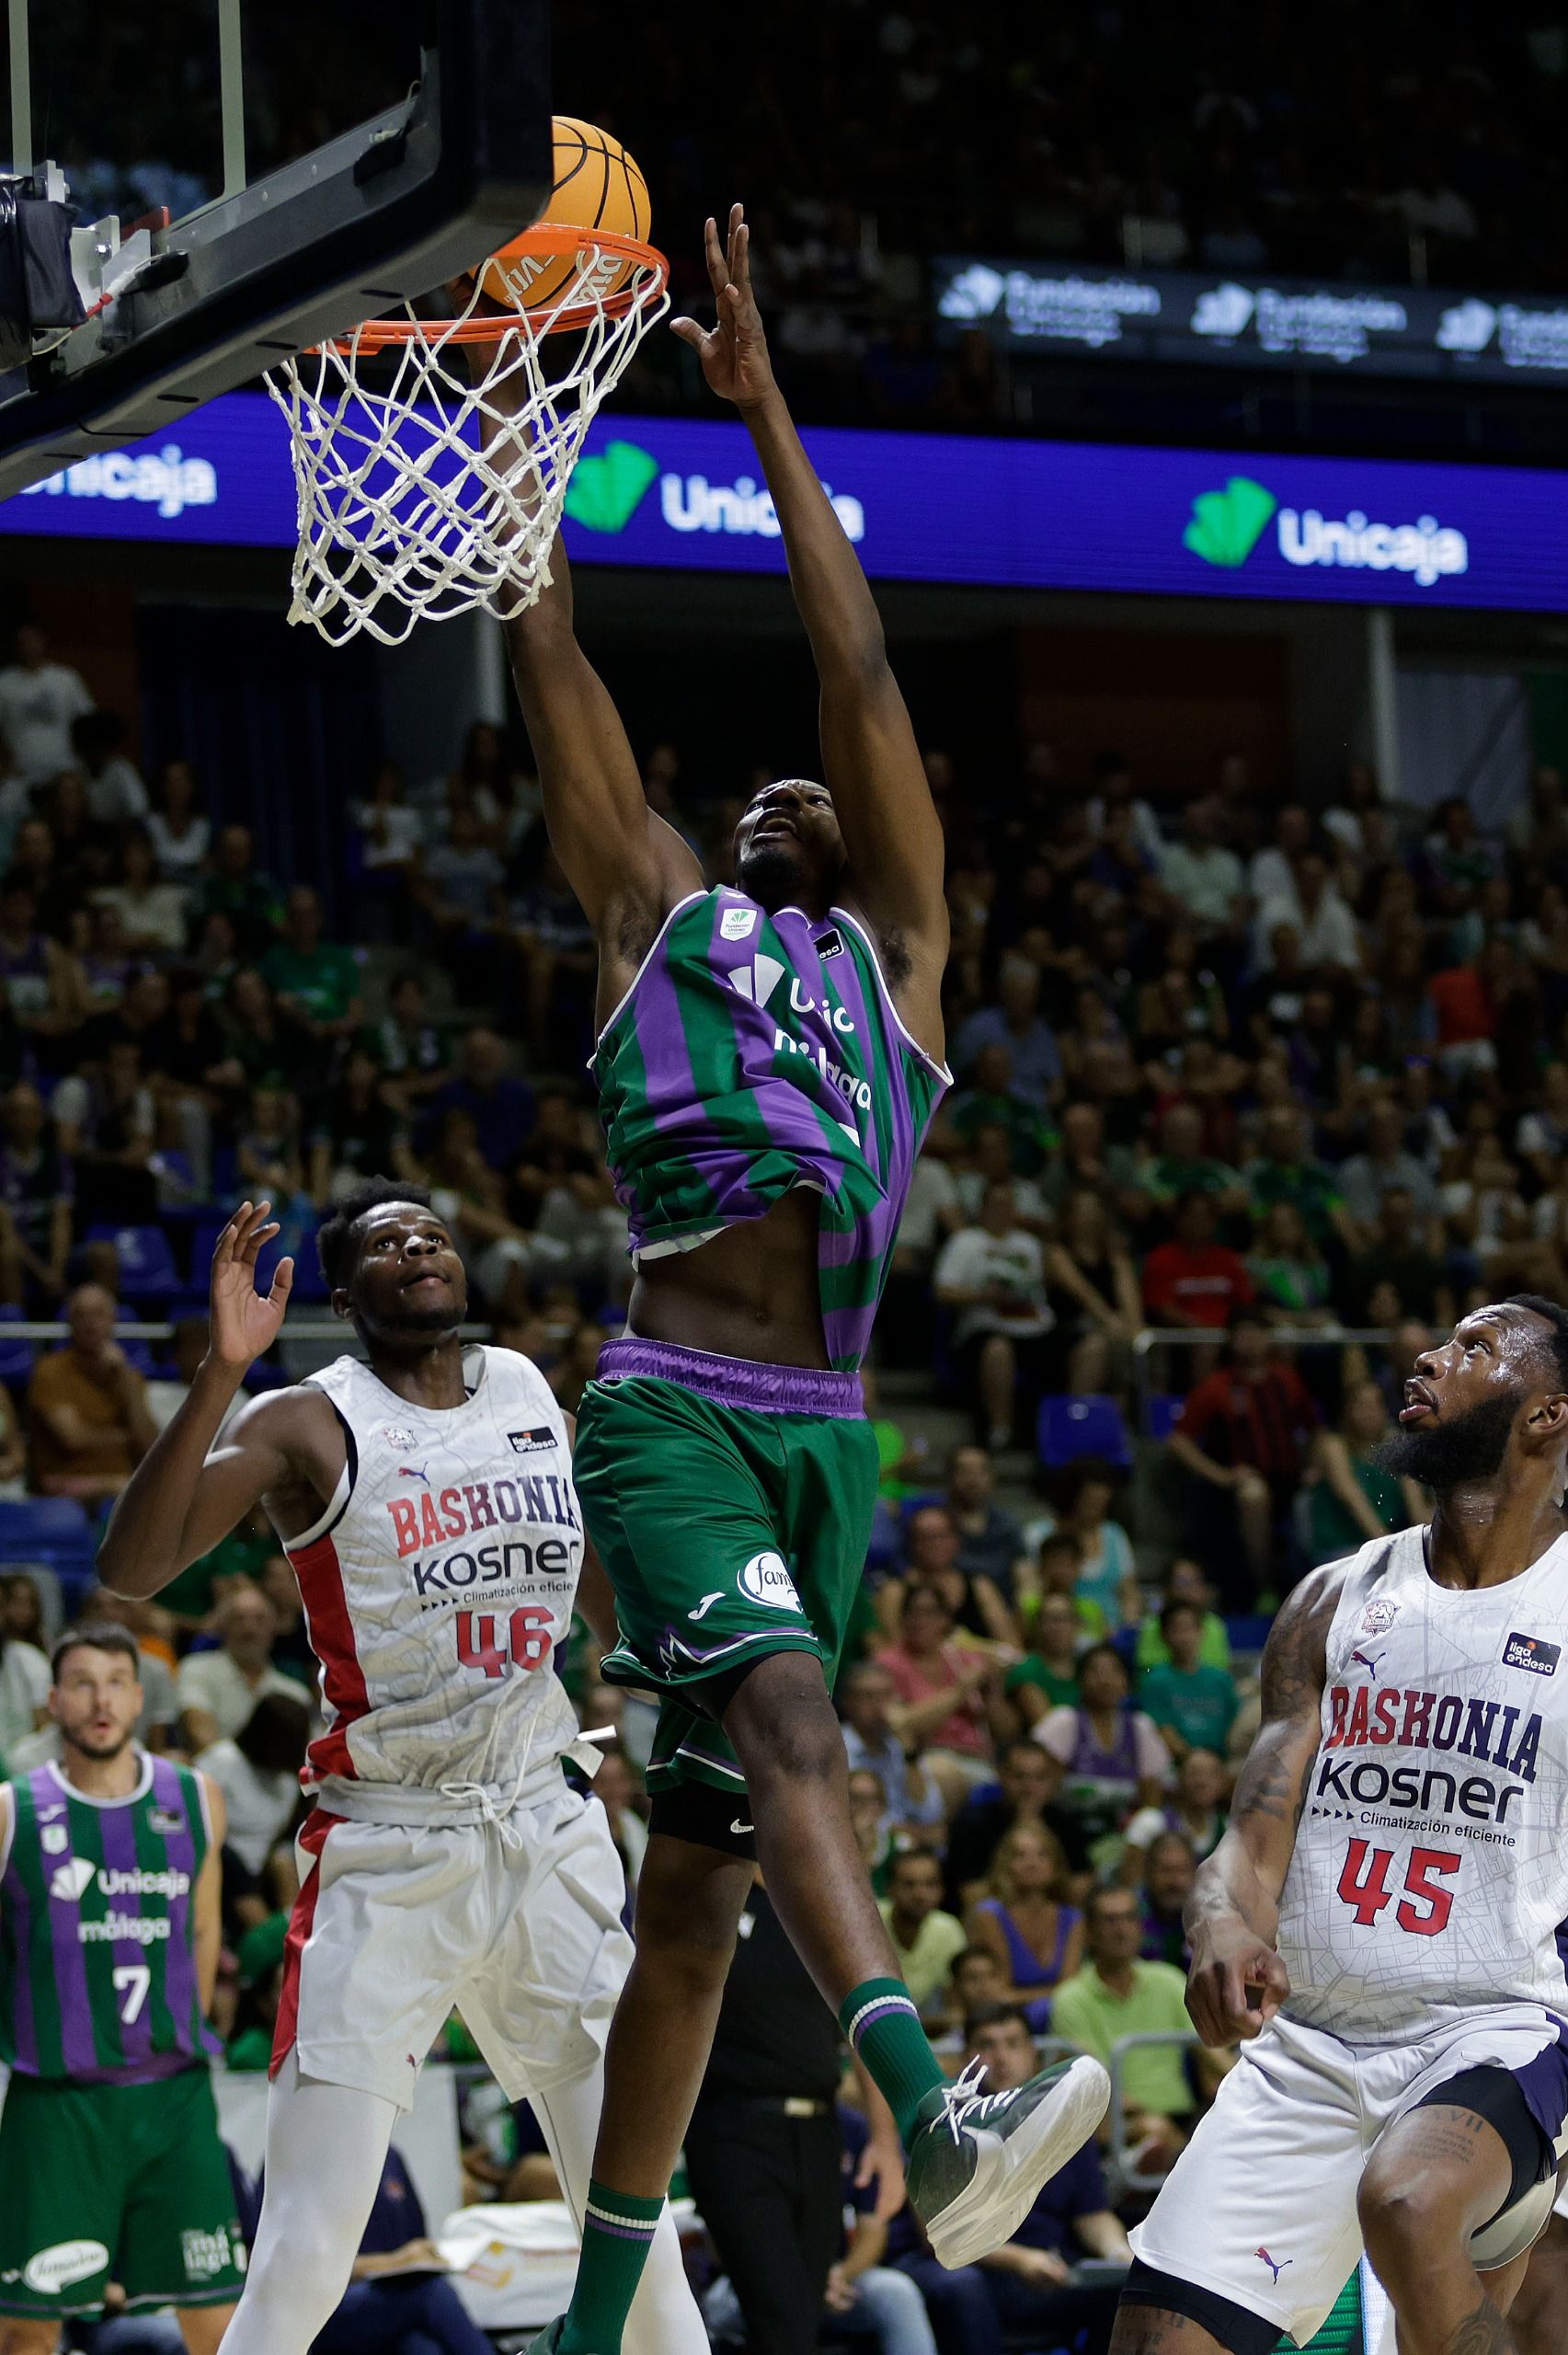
pixel 731 1505
pixel 115 2183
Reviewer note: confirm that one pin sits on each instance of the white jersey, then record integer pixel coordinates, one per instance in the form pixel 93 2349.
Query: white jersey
pixel 437 1588
pixel 1430 1874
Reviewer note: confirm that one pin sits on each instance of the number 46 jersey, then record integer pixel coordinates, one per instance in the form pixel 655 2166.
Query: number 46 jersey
pixel 438 1587
pixel 1430 1872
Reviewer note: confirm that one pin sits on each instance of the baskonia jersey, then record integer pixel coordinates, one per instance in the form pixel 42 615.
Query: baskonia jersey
pixel 1430 1872
pixel 754 1053
pixel 437 1588
pixel 97 1959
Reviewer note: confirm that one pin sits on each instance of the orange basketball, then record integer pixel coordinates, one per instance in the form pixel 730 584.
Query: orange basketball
pixel 596 186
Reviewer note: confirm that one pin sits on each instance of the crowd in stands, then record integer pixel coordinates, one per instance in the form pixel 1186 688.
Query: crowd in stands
pixel 1250 1101
pixel 1405 146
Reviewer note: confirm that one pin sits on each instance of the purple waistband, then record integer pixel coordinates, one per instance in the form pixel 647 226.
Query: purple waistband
pixel 733 1382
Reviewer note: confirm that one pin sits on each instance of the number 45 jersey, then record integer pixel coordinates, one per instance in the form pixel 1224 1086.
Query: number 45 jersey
pixel 437 1588
pixel 1430 1873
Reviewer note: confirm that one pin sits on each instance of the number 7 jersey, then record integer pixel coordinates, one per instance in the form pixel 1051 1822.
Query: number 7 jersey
pixel 1430 1871
pixel 437 1588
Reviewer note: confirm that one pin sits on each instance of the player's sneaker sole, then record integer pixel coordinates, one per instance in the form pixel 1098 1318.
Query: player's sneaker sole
pixel 978 2164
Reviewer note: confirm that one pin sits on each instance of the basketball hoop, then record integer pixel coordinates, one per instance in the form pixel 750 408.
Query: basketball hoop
pixel 432 455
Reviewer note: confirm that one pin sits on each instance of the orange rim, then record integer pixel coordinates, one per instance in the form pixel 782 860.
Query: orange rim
pixel 551 241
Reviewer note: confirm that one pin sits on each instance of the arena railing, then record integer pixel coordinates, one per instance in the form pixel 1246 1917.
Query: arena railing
pixel 1124 2175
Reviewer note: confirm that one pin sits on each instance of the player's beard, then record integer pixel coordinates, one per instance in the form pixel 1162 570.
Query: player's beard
pixel 771 873
pixel 1446 1456
pixel 100 1752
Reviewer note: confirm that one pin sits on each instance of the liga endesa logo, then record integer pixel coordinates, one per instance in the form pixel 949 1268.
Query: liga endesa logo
pixel 1227 524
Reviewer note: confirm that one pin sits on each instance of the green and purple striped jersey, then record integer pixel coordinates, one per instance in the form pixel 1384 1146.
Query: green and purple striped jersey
pixel 754 1053
pixel 97 1959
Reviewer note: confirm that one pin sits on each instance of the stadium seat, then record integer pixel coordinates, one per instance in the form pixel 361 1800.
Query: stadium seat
pixel 1161 1414
pixel 885 1547
pixel 54 1531
pixel 17 1357
pixel 1082 1425
pixel 148 1270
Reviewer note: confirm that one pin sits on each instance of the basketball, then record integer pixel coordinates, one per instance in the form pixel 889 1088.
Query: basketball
pixel 596 186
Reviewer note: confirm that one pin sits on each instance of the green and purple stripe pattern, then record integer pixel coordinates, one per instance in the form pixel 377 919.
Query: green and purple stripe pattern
pixel 754 1053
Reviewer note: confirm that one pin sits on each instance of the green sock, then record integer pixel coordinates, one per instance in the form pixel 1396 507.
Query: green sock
pixel 617 2234
pixel 881 2022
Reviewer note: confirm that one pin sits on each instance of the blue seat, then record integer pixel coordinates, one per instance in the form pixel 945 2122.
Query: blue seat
pixel 148 1270
pixel 1163 1408
pixel 885 1547
pixel 54 1531
pixel 17 1357
pixel 1085 1424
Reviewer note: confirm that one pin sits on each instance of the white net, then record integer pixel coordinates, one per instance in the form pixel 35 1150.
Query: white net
pixel 431 457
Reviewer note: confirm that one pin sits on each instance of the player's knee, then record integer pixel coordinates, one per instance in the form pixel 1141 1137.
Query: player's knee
pixel 1404 2219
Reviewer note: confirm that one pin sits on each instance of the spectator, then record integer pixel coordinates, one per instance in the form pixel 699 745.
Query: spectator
pixel 991 1100
pixel 1196 1809
pixel 1170 1867
pixel 316 982
pixel 391 830
pixel 409 1049
pixel 1366 1177
pixel 1398 1261
pixel 1193 1280
pixel 1090 1271
pixel 1057 1563
pixel 1085 1163
pixel 1046 1677
pixel 1116 1995
pixel 45 992
pixel 989 1539
pixel 115 793
pixel 1192 1704
pixel 992 1276
pixel 1181 1166
pixel 22 1618
pixel 1016 1024
pixel 988 1161
pixel 180 835
pixel 357 1133
pixel 1184 1582
pixel 153 913
pixel 269 1149
pixel 867 1699
pixel 219 1690
pixel 237 888
pixel 1312 908
pixel 1107 1576
pixel 925 1937
pixel 36 1192
pixel 25 1681
pixel 39 700
pixel 1025 2293
pixel 1204 880
pixel 931 1542
pixel 1024 1920
pixel 106 1123
pixel 1352 1498
pixel 258 1772
pixel 1289 1276
pixel 501 1108
pixel 1243 1435
pixel 87 1422
pixel 1111 1755
pixel 168 1393
pixel 1284 1172
pixel 1023 1793
pixel 949 1698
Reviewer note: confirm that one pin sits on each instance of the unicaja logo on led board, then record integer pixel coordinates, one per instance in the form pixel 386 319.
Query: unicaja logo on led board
pixel 1227 524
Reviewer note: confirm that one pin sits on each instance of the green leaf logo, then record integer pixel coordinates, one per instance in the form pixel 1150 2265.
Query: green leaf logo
pixel 605 492
pixel 1226 524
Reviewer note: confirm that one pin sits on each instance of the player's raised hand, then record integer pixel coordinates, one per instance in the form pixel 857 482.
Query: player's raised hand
pixel 1236 1984
pixel 733 352
pixel 244 1322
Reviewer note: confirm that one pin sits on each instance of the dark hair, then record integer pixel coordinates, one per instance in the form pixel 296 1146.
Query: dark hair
pixel 276 1734
pixel 1102 1890
pixel 1102 1651
pixel 1085 1472
pixel 913 1857
pixel 1178 1602
pixel 997 2016
pixel 1556 1316
pixel 968 1954
pixel 99 1635
pixel 335 1236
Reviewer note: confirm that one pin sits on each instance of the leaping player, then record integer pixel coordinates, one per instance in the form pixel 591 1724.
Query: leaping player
pixel 1383 1923
pixel 769 1060
pixel 426 1502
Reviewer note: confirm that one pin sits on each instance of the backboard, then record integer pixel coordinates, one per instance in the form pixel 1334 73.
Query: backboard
pixel 248 177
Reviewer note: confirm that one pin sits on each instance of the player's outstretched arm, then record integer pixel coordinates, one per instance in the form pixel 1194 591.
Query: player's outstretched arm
pixel 182 1499
pixel 1237 1981
pixel 871 760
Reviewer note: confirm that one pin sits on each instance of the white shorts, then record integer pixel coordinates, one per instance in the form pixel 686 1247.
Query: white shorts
pixel 1260 2206
pixel 395 1928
